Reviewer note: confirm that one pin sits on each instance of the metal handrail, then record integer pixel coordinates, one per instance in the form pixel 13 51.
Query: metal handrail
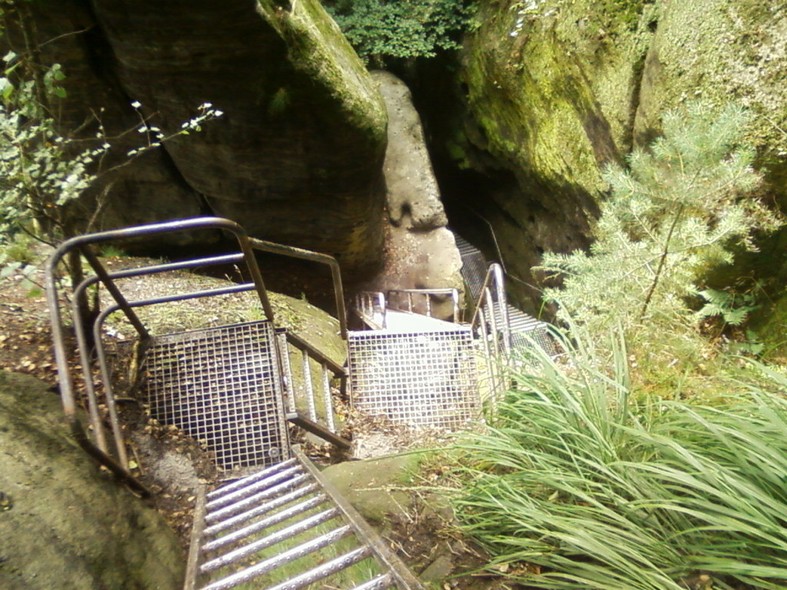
pixel 491 322
pixel 492 233
pixel 369 305
pixel 82 341
pixel 427 294
pixel 493 298
pixel 82 245
pixel 328 366
pixel 330 261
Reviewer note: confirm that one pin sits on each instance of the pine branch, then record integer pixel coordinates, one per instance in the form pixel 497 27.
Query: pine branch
pixel 662 262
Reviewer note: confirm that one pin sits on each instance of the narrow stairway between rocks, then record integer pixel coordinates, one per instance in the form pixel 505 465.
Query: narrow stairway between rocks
pixel 243 390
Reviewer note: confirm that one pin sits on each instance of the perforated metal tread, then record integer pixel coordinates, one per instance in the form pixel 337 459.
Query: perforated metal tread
pixel 286 527
pixel 221 387
pixel 525 329
pixel 474 266
pixel 421 379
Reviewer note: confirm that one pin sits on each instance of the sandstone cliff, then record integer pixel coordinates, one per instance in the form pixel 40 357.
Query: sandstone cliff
pixel 64 523
pixel 296 157
pixel 555 89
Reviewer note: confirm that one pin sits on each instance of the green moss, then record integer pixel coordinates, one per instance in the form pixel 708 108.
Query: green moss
pixel 552 90
pixel 279 102
pixel 771 328
pixel 725 50
pixel 559 90
pixel 375 486
pixel 65 523
pixel 457 153
pixel 317 49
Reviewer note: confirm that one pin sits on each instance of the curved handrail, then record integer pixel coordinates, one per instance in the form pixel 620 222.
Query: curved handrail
pixel 494 279
pixel 82 243
pixel 82 342
pixel 330 261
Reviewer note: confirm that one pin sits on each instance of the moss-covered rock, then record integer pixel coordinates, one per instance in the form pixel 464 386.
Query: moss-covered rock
pixel 63 522
pixel 556 89
pixel 721 51
pixel 317 47
pixel 376 487
pixel 551 88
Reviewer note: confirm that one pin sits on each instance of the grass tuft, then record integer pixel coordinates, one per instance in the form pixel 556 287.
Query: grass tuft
pixel 576 485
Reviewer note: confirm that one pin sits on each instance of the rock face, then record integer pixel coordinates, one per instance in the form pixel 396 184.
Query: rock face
pixel 420 252
pixel 554 90
pixel 297 155
pixel 64 523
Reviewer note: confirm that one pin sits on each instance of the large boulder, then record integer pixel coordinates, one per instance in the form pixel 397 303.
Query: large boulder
pixel 297 155
pixel 555 90
pixel 63 522
pixel 130 191
pixel 420 251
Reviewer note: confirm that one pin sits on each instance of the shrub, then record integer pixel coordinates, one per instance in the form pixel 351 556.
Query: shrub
pixel 381 29
pixel 675 212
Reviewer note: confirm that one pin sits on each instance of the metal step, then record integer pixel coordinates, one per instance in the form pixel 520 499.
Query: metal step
pixel 524 328
pixel 286 527
pixel 474 266
pixel 464 246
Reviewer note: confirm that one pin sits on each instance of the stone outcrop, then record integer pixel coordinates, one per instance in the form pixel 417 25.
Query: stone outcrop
pixel 555 90
pixel 297 155
pixel 420 251
pixel 63 522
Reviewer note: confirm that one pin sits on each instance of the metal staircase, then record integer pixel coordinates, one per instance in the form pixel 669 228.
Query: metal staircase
pixel 270 520
pixel 285 527
pixel 524 330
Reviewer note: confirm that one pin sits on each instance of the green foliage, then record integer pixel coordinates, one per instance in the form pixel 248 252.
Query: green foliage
pixel 582 483
pixel 733 309
pixel 42 170
pixel 111 251
pixel 674 213
pixel 380 29
pixel 279 103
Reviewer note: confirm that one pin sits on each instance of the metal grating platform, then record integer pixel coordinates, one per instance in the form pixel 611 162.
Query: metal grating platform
pixel 221 386
pixel 421 379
